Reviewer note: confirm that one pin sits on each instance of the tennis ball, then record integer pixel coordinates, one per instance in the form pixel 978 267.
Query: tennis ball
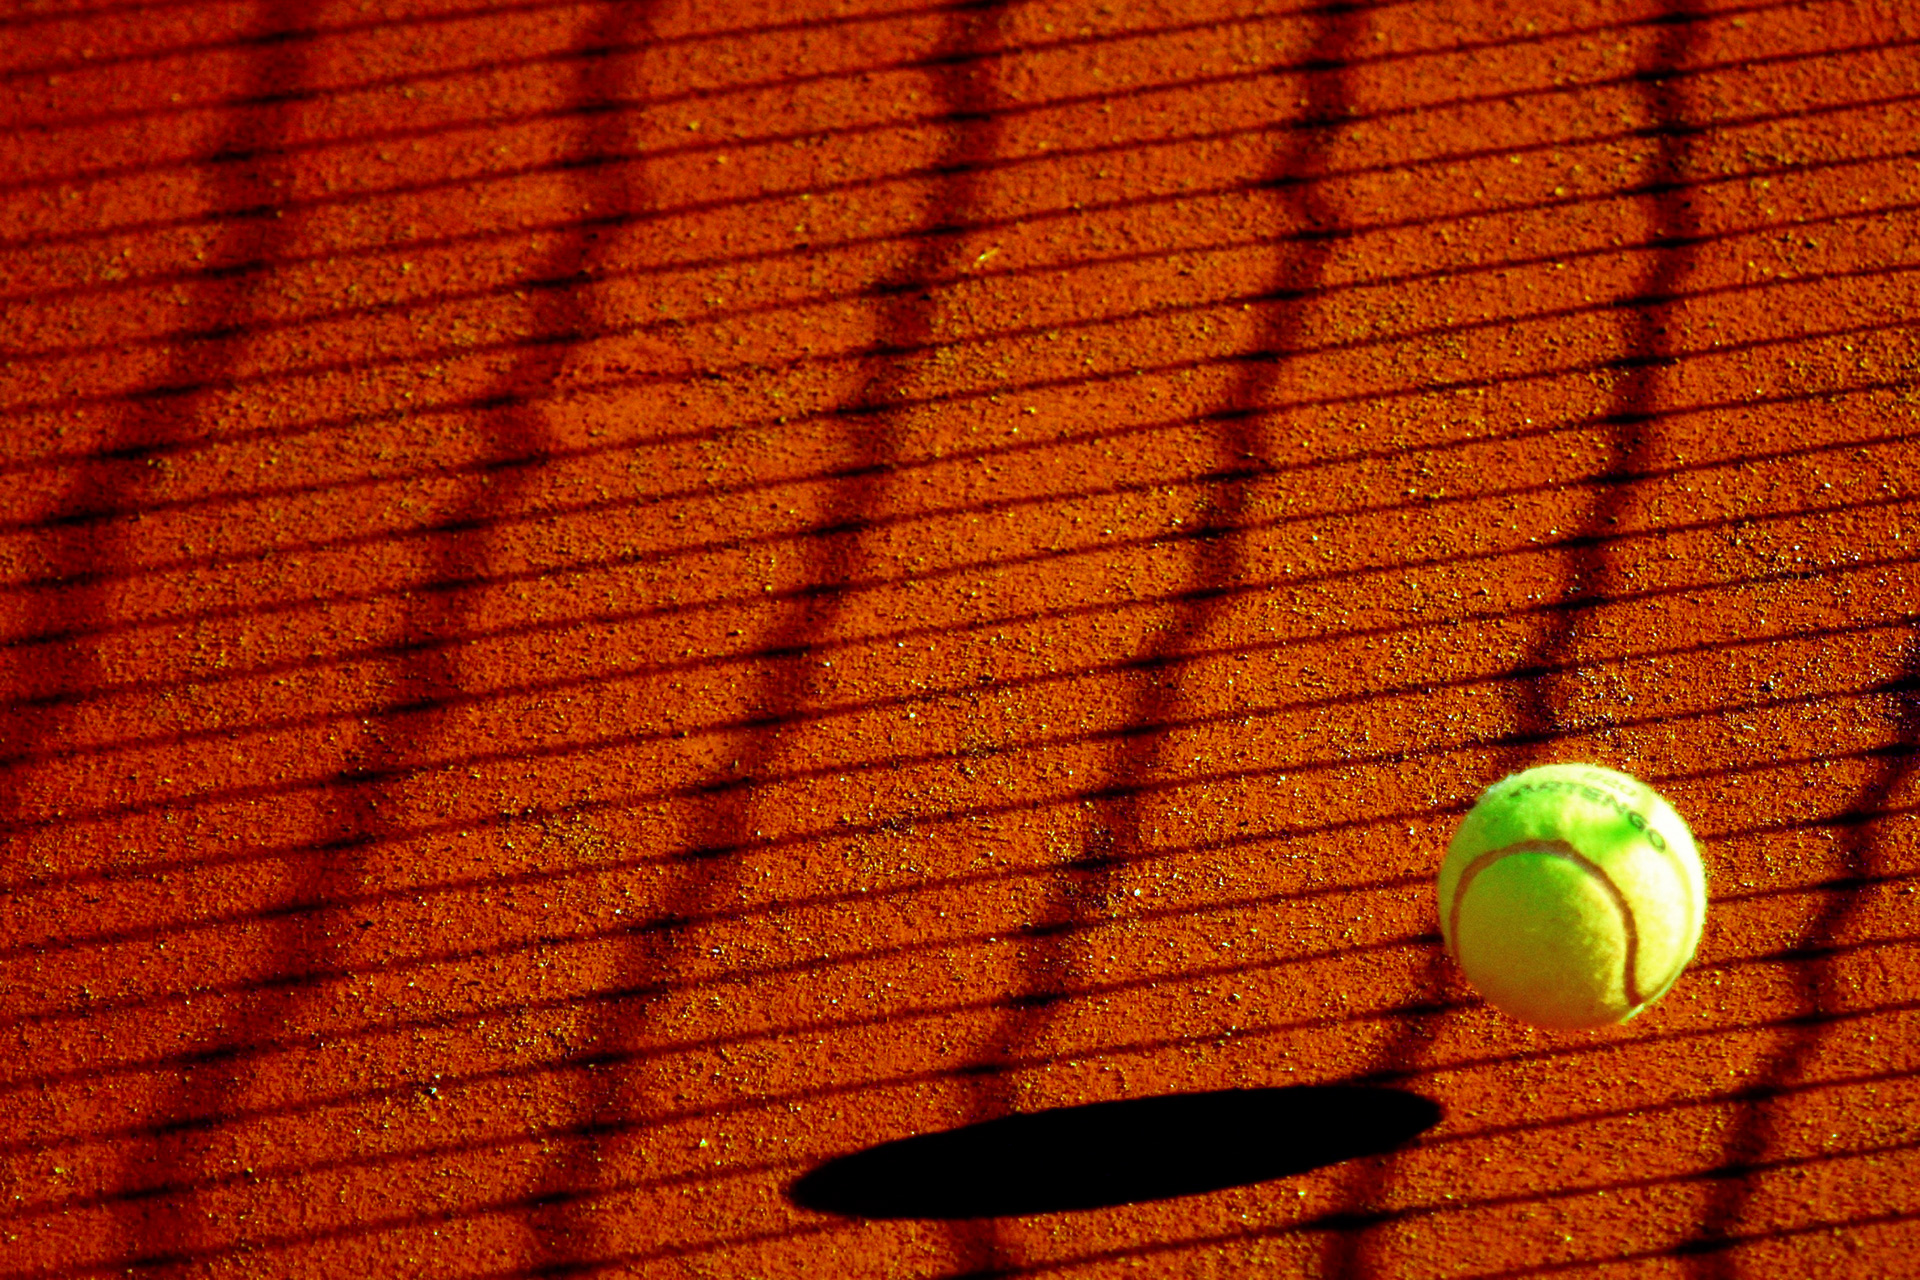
pixel 1572 896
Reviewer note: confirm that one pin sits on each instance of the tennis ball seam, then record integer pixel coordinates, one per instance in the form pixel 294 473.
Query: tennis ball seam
pixel 1643 823
pixel 1566 852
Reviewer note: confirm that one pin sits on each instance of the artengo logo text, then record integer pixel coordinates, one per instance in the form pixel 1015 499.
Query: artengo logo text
pixel 1600 796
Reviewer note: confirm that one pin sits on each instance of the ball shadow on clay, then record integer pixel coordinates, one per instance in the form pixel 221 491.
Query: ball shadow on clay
pixel 1113 1153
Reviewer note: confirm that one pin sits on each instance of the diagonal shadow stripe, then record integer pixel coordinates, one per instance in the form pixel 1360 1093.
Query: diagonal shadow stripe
pixel 426 677
pixel 860 71
pixel 783 251
pixel 509 468
pixel 497 692
pixel 691 40
pixel 1818 987
pixel 80 556
pixel 1338 1220
pixel 576 226
pixel 566 1233
pixel 333 313
pixel 1718 349
pixel 248 174
pixel 1085 889
pixel 941 1011
pixel 1026 744
pixel 395 24
pixel 1790 962
pixel 682 40
pixel 496 122
pixel 1631 448
pixel 426 959
pixel 352 653
pixel 385 24
pixel 507 692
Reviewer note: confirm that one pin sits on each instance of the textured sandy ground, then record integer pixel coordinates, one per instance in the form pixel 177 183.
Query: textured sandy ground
pixel 603 603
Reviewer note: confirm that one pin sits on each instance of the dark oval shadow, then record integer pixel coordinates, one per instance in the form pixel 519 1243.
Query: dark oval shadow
pixel 1112 1153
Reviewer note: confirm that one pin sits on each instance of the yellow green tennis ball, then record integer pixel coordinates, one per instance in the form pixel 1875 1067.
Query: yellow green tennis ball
pixel 1572 896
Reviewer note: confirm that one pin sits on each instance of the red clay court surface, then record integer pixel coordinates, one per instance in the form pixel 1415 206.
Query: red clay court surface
pixel 607 603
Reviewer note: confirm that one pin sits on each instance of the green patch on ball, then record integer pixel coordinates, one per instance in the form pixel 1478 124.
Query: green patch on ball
pixel 1572 896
